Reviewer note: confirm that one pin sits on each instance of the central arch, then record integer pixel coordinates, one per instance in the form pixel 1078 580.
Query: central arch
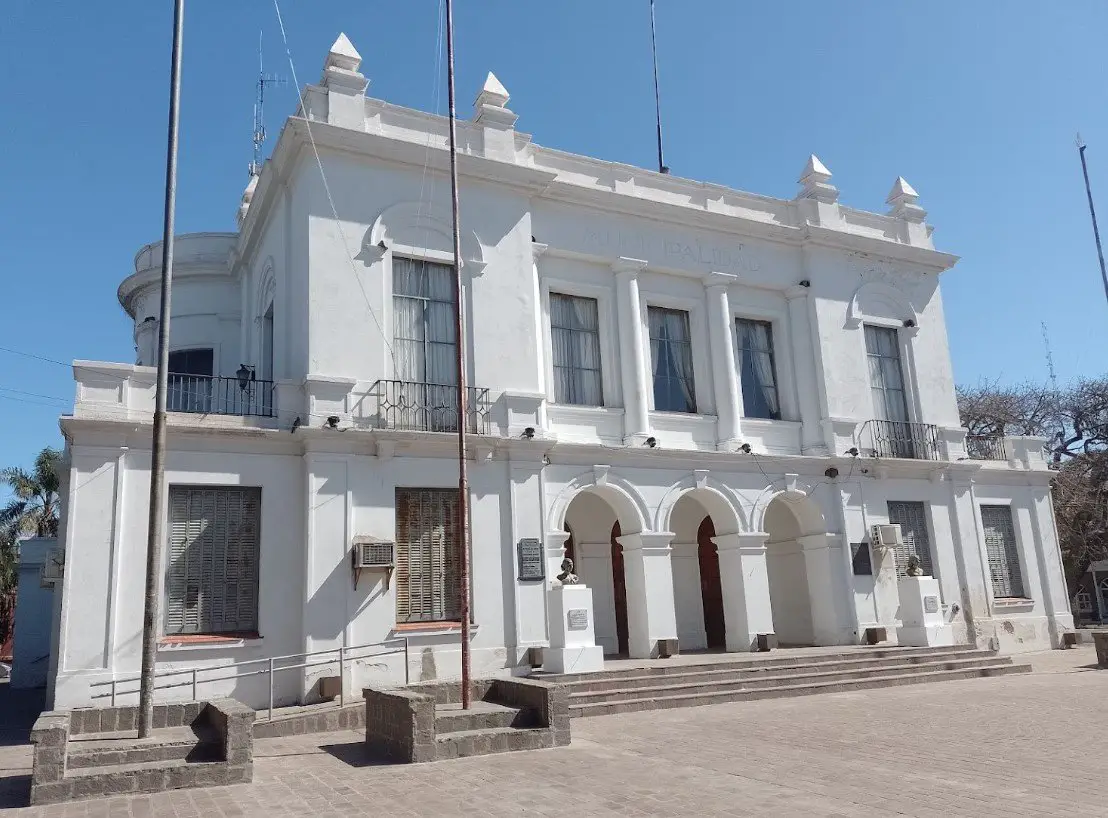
pixel 795 527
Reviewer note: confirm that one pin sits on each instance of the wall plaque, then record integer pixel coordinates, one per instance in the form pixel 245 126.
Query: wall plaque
pixel 532 565
pixel 860 559
pixel 930 604
pixel 577 619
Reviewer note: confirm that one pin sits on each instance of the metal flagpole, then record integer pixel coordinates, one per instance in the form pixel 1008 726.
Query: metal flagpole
pixel 157 458
pixel 1092 212
pixel 657 93
pixel 460 360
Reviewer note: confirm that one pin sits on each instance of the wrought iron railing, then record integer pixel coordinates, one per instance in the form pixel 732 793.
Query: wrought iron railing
pixel 985 447
pixel 430 407
pixel 205 394
pixel 915 441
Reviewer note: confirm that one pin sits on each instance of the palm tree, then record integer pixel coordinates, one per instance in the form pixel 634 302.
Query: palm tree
pixel 32 511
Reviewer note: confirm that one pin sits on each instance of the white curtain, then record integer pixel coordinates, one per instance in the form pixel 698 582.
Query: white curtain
pixel 671 356
pixel 759 381
pixel 885 374
pixel 575 338
pixel 424 337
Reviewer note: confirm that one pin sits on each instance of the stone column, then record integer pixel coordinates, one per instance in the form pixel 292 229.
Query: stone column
pixel 1052 580
pixel 822 564
pixel 745 580
pixel 804 365
pixel 885 589
pixel 648 575
pixel 633 352
pixel 725 374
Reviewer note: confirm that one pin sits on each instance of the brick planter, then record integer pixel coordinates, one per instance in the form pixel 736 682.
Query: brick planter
pixel 1100 641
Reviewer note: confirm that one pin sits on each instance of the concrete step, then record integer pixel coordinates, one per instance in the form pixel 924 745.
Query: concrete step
pixel 110 750
pixel 465 743
pixel 711 673
pixel 722 683
pixel 450 718
pixel 327 717
pixel 632 705
pixel 740 661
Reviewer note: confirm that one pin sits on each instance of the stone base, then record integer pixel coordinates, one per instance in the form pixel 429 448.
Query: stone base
pixel 589 659
pixel 925 636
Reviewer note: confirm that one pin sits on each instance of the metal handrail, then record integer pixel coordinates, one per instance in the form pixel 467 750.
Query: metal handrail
pixel 903 439
pixel 216 395
pixel 985 447
pixel 430 407
pixel 271 667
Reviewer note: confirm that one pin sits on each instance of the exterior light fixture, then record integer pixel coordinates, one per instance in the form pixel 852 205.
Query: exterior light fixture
pixel 529 433
pixel 909 323
pixel 852 451
pixel 805 283
pixel 333 422
pixel 831 473
pixel 245 375
pixel 651 442
pixel 746 448
pixel 382 246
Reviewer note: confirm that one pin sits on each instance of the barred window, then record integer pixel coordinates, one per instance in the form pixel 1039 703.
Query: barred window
pixel 427 555
pixel 1003 552
pixel 912 519
pixel 212 574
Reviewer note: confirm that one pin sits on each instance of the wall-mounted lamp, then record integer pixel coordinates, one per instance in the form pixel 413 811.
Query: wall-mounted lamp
pixel 382 246
pixel 529 433
pixel 333 422
pixel 909 323
pixel 746 448
pixel 805 283
pixel 831 473
pixel 651 442
pixel 852 451
pixel 148 319
pixel 245 375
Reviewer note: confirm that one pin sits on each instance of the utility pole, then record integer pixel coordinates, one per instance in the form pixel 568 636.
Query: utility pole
pixel 150 615
pixel 1092 213
pixel 657 93
pixel 460 361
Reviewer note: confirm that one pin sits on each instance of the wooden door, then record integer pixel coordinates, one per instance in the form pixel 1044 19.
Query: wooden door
pixel 619 592
pixel 711 587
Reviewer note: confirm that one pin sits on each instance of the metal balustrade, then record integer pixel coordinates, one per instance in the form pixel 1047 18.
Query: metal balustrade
pixel 913 441
pixel 985 447
pixel 430 407
pixel 207 394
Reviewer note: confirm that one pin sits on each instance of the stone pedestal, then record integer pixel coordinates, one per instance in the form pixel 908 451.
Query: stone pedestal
pixel 921 613
pixel 573 647
pixel 886 589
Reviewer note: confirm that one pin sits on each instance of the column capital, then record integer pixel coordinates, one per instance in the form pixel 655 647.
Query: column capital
pixel 746 543
pixel 648 542
pixel 628 266
pixel 556 543
pixel 797 291
pixel 816 542
pixel 715 280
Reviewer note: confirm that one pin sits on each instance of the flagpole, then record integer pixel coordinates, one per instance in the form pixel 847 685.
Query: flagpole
pixel 657 92
pixel 157 450
pixel 460 361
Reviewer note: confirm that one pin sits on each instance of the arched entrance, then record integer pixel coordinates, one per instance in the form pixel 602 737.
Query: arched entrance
pixel 697 518
pixel 799 590
pixel 593 527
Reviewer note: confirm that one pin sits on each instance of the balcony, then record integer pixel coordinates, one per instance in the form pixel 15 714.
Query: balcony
pixel 208 395
pixel 982 447
pixel 430 407
pixel 912 441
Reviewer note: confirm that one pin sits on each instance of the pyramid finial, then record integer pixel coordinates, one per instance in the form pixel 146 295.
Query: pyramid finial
pixel 815 182
pixel 343 54
pixel 490 107
pixel 492 93
pixel 903 202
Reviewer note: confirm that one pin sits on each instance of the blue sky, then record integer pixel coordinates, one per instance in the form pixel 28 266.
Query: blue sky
pixel 975 103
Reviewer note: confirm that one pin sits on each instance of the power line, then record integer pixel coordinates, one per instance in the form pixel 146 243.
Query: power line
pixel 36 357
pixel 33 394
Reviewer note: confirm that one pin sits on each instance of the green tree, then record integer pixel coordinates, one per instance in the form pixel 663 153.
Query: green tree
pixel 32 511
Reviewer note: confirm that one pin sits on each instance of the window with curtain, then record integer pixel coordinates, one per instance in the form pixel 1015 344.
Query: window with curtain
pixel 212 571
pixel 912 519
pixel 190 380
pixel 1002 551
pixel 575 340
pixel 424 338
pixel 758 369
pixel 886 375
pixel 671 356
pixel 427 555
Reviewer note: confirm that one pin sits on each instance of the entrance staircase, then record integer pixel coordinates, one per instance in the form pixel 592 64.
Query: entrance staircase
pixel 683 682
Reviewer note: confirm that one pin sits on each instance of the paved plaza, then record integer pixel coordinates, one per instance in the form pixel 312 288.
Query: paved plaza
pixel 1028 745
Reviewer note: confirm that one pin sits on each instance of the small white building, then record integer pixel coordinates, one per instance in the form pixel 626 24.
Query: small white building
pixel 707 397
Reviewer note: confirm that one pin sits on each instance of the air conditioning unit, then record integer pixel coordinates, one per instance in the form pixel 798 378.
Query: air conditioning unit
pixel 373 554
pixel 53 569
pixel 885 536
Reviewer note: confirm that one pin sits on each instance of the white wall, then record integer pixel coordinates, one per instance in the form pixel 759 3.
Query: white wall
pixel 33 616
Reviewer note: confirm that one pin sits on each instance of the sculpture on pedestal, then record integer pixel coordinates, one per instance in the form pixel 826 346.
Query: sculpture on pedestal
pixel 567 577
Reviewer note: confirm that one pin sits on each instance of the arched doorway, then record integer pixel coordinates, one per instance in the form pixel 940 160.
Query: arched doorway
pixel 696 519
pixel 794 524
pixel 593 527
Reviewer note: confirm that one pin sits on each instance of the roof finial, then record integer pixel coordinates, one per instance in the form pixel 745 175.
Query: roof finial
pixel 815 182
pixel 490 107
pixel 903 202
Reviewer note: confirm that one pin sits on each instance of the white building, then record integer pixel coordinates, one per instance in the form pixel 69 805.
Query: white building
pixel 708 396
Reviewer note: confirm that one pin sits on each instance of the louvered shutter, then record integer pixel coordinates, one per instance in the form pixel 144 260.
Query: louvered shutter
pixel 912 519
pixel 1002 550
pixel 427 558
pixel 212 577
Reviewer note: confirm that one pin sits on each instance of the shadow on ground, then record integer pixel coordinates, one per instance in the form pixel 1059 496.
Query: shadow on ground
pixel 18 711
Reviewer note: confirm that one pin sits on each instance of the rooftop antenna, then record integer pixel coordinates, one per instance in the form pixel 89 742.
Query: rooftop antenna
pixel 657 93
pixel 264 79
pixel 1050 360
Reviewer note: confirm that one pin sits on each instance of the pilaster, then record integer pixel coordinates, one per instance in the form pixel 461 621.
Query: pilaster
pixel 804 365
pixel 633 363
pixel 823 566
pixel 725 374
pixel 648 573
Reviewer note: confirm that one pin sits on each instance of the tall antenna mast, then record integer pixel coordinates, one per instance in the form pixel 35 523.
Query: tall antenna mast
pixel 264 79
pixel 1049 360
pixel 657 93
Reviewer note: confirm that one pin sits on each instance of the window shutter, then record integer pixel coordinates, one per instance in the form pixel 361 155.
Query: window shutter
pixel 1002 550
pixel 912 518
pixel 427 556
